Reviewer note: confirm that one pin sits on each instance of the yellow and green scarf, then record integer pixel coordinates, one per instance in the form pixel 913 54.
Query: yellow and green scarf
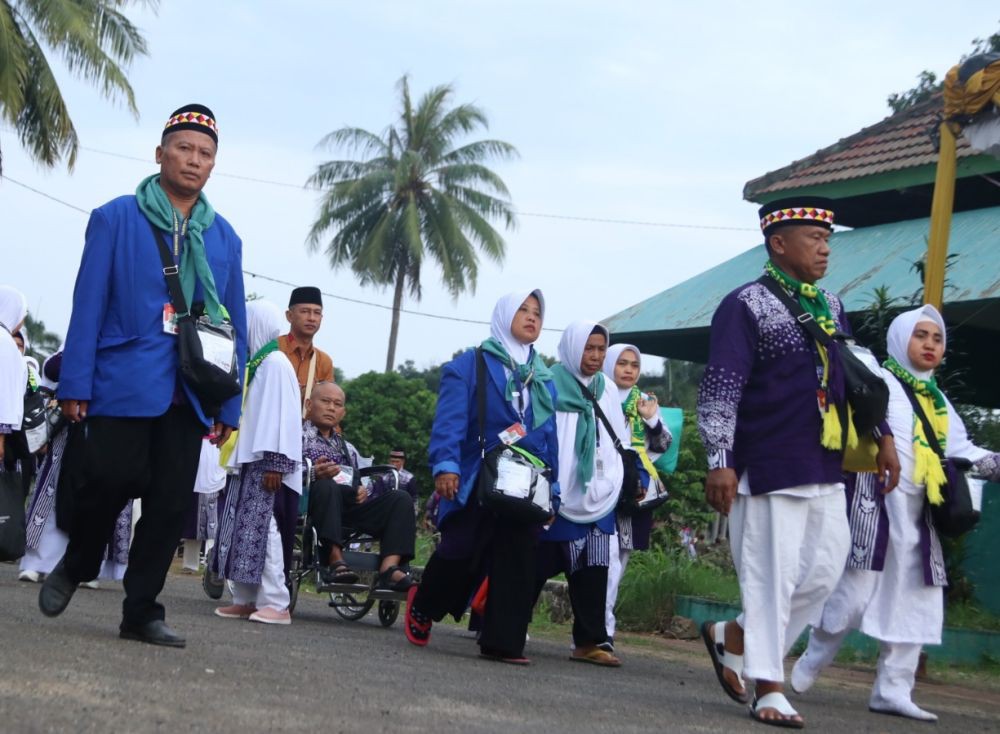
pixel 638 426
pixel 927 467
pixel 813 302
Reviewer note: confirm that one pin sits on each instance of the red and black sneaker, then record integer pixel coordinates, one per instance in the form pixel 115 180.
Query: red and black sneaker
pixel 418 631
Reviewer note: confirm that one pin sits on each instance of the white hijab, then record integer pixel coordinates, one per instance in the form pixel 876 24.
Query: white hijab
pixel 503 316
pixel 13 370
pixel 609 366
pixel 265 322
pixel 601 493
pixel 272 413
pixel 900 331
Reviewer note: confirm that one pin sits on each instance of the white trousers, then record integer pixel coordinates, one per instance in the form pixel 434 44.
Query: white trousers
pixel 618 561
pixel 271 591
pixel 789 554
pixel 51 548
pixel 897 665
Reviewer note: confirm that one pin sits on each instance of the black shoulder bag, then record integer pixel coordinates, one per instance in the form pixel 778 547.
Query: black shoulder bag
pixel 955 516
pixel 207 351
pixel 632 491
pixel 867 393
pixel 509 483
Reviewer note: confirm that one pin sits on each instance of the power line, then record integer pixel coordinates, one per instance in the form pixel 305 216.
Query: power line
pixel 541 215
pixel 252 274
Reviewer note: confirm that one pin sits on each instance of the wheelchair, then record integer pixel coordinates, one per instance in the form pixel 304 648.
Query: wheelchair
pixel 350 601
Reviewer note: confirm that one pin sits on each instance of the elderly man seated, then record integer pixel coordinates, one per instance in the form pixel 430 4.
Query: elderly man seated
pixel 334 501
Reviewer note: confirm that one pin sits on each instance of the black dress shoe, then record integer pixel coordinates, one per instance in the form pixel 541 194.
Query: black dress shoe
pixel 56 592
pixel 155 632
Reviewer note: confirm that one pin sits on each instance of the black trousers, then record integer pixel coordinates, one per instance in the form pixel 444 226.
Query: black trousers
pixel 476 544
pixel 588 592
pixel 388 518
pixel 110 461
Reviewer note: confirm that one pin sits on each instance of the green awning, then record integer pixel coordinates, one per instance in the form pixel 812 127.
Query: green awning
pixel 675 323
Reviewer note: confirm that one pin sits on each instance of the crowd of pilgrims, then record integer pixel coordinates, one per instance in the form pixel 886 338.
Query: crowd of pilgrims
pixel 798 562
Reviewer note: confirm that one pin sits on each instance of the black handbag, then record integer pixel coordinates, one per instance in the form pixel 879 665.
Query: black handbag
pixel 956 515
pixel 12 532
pixel 510 484
pixel 867 392
pixel 207 351
pixel 632 495
pixel 36 419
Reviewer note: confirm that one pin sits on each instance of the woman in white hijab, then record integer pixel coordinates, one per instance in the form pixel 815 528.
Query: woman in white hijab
pixel 262 501
pixel 590 478
pixel 892 589
pixel 650 439
pixel 519 401
pixel 13 371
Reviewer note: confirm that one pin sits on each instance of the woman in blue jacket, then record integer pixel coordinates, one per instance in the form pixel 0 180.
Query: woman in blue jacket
pixel 520 399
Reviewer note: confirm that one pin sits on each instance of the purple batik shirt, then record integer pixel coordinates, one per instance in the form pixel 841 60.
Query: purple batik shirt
pixel 757 405
pixel 334 448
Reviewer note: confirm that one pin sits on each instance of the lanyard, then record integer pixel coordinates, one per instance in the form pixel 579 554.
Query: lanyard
pixel 180 232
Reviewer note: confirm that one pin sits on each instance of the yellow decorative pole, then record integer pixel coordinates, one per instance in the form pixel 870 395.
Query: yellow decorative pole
pixel 941 209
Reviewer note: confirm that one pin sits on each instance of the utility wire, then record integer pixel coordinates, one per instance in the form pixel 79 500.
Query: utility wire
pixel 541 215
pixel 252 274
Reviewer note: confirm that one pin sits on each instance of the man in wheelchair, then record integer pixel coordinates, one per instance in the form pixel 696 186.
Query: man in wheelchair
pixel 336 500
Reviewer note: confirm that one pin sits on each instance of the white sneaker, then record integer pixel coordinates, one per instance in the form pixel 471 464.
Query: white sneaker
pixel 95 584
pixel 907 709
pixel 803 676
pixel 32 576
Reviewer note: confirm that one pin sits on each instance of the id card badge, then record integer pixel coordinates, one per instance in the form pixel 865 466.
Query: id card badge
pixel 512 434
pixel 169 319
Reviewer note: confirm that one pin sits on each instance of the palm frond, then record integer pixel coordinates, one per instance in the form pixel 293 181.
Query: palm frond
pixel 354 139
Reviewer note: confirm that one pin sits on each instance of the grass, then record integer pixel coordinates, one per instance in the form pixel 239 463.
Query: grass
pixel 966 615
pixel 655 577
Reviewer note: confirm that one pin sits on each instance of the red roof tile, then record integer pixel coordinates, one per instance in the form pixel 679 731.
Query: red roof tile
pixel 903 140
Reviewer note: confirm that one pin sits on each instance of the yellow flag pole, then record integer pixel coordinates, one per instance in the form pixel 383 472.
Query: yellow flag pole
pixel 941 209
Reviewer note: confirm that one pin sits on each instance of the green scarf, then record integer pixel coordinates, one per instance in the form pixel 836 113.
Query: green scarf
pixel 570 399
pixel 156 206
pixel 926 463
pixel 255 360
pixel 533 376
pixel 811 298
pixel 638 430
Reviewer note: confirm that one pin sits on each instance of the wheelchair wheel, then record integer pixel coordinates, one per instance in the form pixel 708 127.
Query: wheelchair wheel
pixel 349 607
pixel 387 612
pixel 292 585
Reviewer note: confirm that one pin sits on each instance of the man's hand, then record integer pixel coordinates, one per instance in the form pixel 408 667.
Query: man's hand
pixel 75 411
pixel 222 433
pixel 323 468
pixel 362 494
pixel 446 485
pixel 2 440
pixel 720 489
pixel 888 464
pixel 272 481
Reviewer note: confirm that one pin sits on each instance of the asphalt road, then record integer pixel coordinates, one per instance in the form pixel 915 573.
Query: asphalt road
pixel 323 674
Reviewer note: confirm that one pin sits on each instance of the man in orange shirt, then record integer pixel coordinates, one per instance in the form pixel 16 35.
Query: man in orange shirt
pixel 305 314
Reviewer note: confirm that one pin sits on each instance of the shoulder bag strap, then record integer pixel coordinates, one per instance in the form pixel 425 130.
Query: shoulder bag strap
pixel 801 315
pixel 170 273
pixel 310 380
pixel 603 418
pixel 918 409
pixel 481 399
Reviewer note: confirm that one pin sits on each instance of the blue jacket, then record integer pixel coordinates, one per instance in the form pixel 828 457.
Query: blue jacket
pixel 454 444
pixel 117 355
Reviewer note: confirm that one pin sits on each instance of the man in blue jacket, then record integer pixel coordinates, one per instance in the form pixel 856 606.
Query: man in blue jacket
pixel 137 425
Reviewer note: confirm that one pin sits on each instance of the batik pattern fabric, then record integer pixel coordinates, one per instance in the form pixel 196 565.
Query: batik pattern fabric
pixel 121 538
pixel 757 403
pixel 6 428
pixel 43 501
pixel 335 448
pixel 593 549
pixel 869 522
pixel 246 518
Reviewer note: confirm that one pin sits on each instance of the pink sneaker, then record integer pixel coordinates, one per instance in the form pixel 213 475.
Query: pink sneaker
pixel 236 611
pixel 270 615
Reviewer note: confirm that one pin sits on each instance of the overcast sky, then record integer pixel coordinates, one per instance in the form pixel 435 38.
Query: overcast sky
pixel 644 111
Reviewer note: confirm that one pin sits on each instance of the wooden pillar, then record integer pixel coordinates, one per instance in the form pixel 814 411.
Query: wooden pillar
pixel 941 210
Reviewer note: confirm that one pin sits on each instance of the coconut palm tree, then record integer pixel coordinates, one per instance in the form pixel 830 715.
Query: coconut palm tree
pixel 42 343
pixel 415 193
pixel 95 40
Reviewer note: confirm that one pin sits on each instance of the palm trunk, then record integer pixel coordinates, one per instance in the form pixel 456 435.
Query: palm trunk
pixel 397 302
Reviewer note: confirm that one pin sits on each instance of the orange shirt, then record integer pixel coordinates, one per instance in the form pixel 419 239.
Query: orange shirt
pixel 300 356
